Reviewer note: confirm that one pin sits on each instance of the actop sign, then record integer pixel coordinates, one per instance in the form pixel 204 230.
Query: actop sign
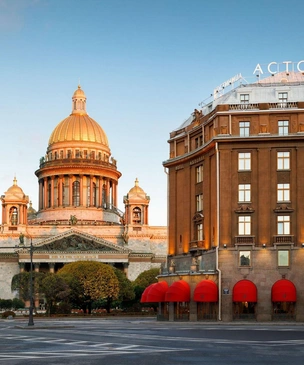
pixel 275 67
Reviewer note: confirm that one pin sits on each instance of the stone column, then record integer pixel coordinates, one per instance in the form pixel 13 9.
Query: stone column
pixel 52 192
pixel 70 190
pixel 52 267
pixel 45 193
pixel 81 190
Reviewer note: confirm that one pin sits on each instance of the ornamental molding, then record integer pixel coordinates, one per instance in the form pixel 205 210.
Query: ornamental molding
pixel 244 208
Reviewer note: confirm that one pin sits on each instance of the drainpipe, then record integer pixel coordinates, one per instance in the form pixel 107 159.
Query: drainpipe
pixel 218 230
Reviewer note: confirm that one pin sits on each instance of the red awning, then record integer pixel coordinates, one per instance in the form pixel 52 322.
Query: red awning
pixel 283 291
pixel 179 291
pixel 157 292
pixel 244 291
pixel 144 295
pixel 206 291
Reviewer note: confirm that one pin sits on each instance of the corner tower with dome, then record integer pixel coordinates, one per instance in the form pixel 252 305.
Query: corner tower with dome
pixel 77 216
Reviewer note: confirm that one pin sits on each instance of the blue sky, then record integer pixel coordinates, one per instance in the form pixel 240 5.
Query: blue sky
pixel 144 65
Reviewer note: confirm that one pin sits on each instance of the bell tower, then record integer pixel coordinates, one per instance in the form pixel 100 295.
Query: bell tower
pixel 136 206
pixel 14 207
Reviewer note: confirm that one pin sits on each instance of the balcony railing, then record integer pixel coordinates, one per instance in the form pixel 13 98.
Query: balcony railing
pixel 197 245
pixel 283 105
pixel 249 240
pixel 248 106
pixel 286 238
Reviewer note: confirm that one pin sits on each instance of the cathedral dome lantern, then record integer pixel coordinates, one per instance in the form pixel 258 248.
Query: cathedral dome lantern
pixel 78 173
pixel 136 205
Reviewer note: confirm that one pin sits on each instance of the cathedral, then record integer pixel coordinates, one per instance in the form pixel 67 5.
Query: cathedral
pixel 77 217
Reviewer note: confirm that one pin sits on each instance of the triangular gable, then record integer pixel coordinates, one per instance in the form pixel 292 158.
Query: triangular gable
pixel 76 241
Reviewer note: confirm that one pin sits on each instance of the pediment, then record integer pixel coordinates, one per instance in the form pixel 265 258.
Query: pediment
pixel 76 241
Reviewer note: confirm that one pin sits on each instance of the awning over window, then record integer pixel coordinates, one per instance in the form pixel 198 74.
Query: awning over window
pixel 144 295
pixel 283 291
pixel 244 291
pixel 157 292
pixel 179 291
pixel 206 291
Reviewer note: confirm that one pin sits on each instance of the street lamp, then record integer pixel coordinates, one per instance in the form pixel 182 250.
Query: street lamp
pixel 31 319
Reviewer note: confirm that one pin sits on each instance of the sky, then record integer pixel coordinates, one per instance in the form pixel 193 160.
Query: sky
pixel 144 65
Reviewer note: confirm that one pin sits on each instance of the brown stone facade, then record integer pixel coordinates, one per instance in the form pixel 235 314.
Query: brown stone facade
pixel 236 177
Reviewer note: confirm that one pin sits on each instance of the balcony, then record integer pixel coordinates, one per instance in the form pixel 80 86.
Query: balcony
pixel 244 240
pixel 197 245
pixel 283 238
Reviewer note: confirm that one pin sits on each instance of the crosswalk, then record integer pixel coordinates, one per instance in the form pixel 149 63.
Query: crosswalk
pixel 73 348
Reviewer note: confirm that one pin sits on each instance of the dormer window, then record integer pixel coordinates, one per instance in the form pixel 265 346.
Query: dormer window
pixel 244 98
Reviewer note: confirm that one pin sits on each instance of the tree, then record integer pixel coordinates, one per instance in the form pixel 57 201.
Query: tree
pixel 55 289
pixel 97 281
pixel 143 280
pixel 126 290
pixel 21 283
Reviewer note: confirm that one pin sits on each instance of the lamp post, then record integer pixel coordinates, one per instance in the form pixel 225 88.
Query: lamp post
pixel 31 319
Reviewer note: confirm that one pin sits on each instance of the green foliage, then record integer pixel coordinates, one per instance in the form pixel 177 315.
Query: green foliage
pixel 126 290
pixel 55 289
pixel 94 279
pixel 21 283
pixel 7 314
pixel 6 304
pixel 17 303
pixel 143 280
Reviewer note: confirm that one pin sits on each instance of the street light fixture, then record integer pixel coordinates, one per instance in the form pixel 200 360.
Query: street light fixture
pixel 31 318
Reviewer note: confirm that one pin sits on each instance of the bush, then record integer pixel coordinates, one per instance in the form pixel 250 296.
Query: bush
pixel 7 314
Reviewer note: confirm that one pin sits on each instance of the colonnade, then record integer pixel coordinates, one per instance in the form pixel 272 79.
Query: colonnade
pixel 77 190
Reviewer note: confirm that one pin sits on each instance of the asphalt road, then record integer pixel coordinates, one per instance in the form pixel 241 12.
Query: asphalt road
pixel 144 341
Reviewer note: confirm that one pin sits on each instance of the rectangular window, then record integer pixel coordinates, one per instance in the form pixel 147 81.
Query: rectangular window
pixel 283 97
pixel 244 129
pixel 244 225
pixel 199 229
pixel 199 173
pixel 283 192
pixel 199 202
pixel 245 258
pixel 283 127
pixel 244 98
pixel 244 193
pixel 244 161
pixel 283 160
pixel 283 258
pixel 283 224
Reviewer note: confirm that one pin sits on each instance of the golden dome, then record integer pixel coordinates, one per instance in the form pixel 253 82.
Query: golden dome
pixel 137 191
pixel 14 191
pixel 78 126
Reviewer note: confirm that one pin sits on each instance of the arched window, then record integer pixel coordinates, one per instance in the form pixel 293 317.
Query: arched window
pixel 13 216
pixel 76 193
pixel 136 215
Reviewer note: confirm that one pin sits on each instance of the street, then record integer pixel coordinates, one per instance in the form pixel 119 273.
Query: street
pixel 144 341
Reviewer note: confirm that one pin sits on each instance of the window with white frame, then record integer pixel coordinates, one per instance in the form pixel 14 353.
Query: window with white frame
pixel 283 192
pixel 244 225
pixel 244 98
pixel 199 202
pixel 283 159
pixel 244 129
pixel 283 127
pixel 199 231
pixel 244 161
pixel 244 192
pixel 283 224
pixel 199 173
pixel 283 258
pixel 283 97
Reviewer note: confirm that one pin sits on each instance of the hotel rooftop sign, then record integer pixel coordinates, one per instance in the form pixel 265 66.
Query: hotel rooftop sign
pixel 275 67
